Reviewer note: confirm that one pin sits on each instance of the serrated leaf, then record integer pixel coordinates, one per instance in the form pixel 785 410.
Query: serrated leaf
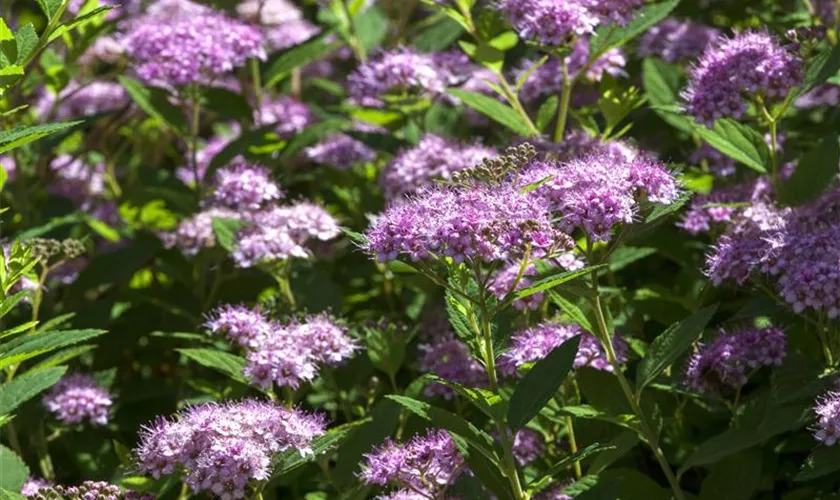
pixel 660 211
pixel 97 14
pixel 29 346
pixel 62 357
pixel 571 310
pixel 614 35
pixel 490 404
pixel 50 7
pixel 624 256
pixel 307 52
pixel 290 460
pixel 357 238
pixel 19 328
pixel 225 231
pixel 546 112
pixel 27 386
pixel 494 110
pixel 661 81
pixel 670 344
pixel 11 301
pixel 224 362
pixel 438 36
pixel 621 445
pixel 451 422
pixel 552 281
pixel 823 461
pixel 26 40
pixel 14 470
pixel 155 102
pixel 814 173
pixel 541 383
pixel 18 136
pixel 566 462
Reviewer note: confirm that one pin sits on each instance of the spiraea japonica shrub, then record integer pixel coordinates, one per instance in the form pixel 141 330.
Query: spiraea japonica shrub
pixel 420 249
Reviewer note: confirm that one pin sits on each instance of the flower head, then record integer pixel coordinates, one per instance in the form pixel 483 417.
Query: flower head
pixel 245 186
pixel 725 364
pixel 677 40
pixel 78 397
pixel 222 448
pixel 79 100
pixel 395 73
pixel 478 222
pixel 432 158
pixel 827 429
pixel 533 344
pixel 450 359
pixel 427 463
pixel 340 151
pixel 290 115
pixel 32 485
pixel 192 49
pixel 733 69
pixel 238 324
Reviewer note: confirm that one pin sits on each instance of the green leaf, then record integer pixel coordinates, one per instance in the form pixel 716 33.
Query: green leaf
pixel 494 110
pixel 823 461
pixel 50 7
pixel 571 310
pixel 11 301
pixel 309 51
pixel 566 462
pixel 736 140
pixel 27 386
pixel 225 231
pixel 357 238
pixel 439 36
pixel 26 40
pixel 19 328
pixel 614 35
pixel 451 422
pixel 155 102
pixel 660 211
pixel 97 14
pixel 29 346
pixel 670 344
pixel 386 417
pixel 371 27
pixel 62 357
pixel 290 460
pixel 625 256
pixel 228 105
pixel 554 280
pixel 775 421
pixel 10 495
pixel 814 173
pixel 18 136
pixel 14 471
pixel 489 474
pixel 734 478
pixel 225 362
pixel 489 403
pixel 621 445
pixel 546 112
pixel 661 81
pixel 822 67
pixel 541 383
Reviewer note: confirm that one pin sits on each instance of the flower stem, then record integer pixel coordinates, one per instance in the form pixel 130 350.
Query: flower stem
pixel 195 119
pixel 774 152
pixel 645 429
pixel 513 100
pixel 570 429
pixel 565 97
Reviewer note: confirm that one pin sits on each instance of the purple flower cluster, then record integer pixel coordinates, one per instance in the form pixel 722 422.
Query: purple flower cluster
pixel 286 35
pixel 280 232
pixel 534 343
pixel 528 445
pixel 205 155
pixel 827 430
pixel 32 485
pixel 821 96
pixel 340 151
pixel 283 354
pixel 269 12
pixel 78 397
pixel 450 359
pixel 196 232
pixel 221 449
pixel 726 363
pixel 724 205
pixel 244 186
pixel 478 222
pixel 78 100
pixel 76 180
pixel 288 114
pixel 192 49
pixel 549 22
pixel 239 324
pixel 548 78
pixel 732 70
pixel 676 40
pixel 434 157
pixel 395 74
pixel 599 191
pixel 426 464
pixel 88 490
